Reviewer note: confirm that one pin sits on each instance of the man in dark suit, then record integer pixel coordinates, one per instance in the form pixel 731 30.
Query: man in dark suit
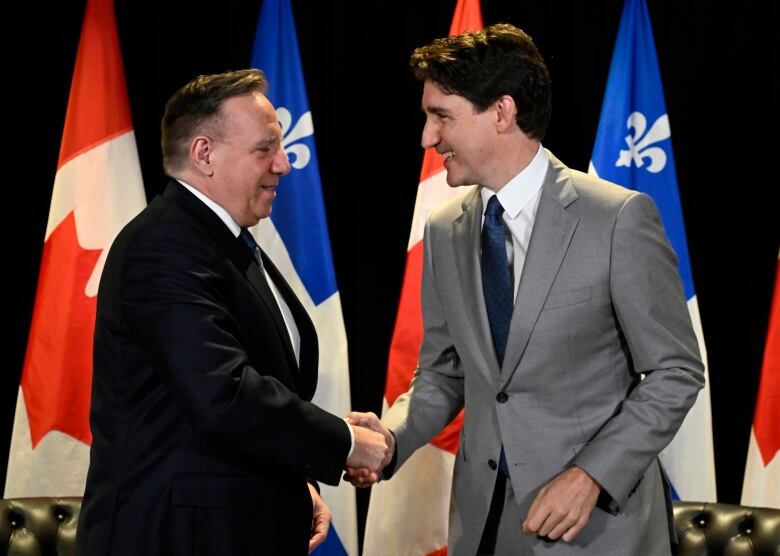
pixel 204 438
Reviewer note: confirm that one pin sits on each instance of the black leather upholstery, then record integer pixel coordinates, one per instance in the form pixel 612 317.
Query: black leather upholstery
pixel 39 526
pixel 47 526
pixel 725 529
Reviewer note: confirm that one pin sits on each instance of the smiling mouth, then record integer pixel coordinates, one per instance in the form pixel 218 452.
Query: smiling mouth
pixel 448 155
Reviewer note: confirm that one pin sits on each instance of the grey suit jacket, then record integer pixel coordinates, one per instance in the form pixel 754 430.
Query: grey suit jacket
pixel 601 365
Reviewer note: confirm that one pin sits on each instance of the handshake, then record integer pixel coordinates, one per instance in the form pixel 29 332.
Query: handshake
pixel 374 449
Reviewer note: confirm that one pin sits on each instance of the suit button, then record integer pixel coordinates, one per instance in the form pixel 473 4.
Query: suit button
pixel 502 397
pixel 492 464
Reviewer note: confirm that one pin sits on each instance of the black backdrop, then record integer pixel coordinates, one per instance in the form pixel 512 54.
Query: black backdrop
pixel 718 66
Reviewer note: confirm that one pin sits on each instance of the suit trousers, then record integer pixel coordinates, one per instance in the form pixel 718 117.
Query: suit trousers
pixel 504 526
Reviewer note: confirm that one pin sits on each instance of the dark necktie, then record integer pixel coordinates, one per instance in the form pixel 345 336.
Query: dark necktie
pixel 253 247
pixel 497 285
pixel 496 281
pixel 284 314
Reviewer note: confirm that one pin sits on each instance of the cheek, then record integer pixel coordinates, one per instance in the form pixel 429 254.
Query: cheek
pixel 262 169
pixel 265 197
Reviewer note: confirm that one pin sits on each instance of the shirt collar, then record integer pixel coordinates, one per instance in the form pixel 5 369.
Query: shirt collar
pixel 218 210
pixel 521 189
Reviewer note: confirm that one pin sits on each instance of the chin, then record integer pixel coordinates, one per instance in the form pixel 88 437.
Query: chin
pixel 456 183
pixel 261 211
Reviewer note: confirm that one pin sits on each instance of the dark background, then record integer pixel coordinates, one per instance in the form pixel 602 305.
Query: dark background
pixel 718 65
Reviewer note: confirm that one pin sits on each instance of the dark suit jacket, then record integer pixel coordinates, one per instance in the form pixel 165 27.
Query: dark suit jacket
pixel 203 435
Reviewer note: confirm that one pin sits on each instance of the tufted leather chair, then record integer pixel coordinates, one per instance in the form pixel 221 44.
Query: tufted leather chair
pixel 47 526
pixel 39 526
pixel 725 529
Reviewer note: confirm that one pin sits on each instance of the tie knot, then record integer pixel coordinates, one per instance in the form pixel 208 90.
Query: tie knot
pixel 249 240
pixel 494 207
pixel 251 244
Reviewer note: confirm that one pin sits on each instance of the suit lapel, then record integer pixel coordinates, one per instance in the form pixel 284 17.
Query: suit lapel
pixel 306 379
pixel 236 250
pixel 553 229
pixel 467 232
pixel 260 284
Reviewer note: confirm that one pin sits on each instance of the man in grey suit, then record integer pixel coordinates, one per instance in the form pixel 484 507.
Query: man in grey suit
pixel 569 345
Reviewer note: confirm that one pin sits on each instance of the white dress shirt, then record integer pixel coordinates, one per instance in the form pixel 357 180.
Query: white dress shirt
pixel 520 199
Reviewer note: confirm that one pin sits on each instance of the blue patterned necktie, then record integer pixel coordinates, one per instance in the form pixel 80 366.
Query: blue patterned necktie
pixel 496 281
pixel 253 247
pixel 497 285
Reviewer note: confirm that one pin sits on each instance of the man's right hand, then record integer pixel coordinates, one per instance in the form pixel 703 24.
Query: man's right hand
pixel 370 451
pixel 363 476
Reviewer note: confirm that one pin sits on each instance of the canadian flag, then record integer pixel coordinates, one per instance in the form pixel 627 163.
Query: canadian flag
pixel 409 515
pixel 762 471
pixel 97 190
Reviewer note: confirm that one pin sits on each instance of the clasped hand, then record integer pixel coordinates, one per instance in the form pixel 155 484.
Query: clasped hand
pixel 374 449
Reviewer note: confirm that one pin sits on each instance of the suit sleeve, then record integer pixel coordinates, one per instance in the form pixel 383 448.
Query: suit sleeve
pixel 174 300
pixel 436 394
pixel 651 309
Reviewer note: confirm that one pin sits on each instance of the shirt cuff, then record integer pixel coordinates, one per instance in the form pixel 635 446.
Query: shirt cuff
pixel 351 439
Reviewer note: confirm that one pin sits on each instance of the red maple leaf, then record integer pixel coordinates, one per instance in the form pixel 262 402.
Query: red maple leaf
pixel 406 345
pixel 57 374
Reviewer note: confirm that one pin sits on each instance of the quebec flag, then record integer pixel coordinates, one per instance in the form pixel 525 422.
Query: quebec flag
pixel 634 149
pixel 296 239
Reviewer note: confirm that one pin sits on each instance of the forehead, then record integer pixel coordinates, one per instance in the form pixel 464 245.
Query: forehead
pixel 250 108
pixel 436 100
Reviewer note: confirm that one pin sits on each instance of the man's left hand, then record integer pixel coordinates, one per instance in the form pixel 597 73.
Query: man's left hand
pixel 320 522
pixel 563 506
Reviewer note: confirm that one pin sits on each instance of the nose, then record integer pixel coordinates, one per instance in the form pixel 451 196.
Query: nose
pixel 430 135
pixel 281 164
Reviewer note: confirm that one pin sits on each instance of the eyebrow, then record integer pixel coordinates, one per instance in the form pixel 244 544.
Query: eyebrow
pixel 437 110
pixel 268 141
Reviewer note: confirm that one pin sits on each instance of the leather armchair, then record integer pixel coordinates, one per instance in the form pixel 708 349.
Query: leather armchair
pixel 725 529
pixel 47 526
pixel 39 526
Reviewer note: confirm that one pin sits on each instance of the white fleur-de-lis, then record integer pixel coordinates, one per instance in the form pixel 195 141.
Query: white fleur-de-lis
pixel 638 148
pixel 304 127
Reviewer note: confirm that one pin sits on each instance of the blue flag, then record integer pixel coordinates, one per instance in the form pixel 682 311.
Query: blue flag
pixel 296 238
pixel 634 149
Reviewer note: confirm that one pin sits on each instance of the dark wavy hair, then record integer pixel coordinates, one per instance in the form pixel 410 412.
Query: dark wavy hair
pixel 484 65
pixel 197 104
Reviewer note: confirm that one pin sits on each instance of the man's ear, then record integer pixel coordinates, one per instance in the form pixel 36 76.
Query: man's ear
pixel 506 113
pixel 202 154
